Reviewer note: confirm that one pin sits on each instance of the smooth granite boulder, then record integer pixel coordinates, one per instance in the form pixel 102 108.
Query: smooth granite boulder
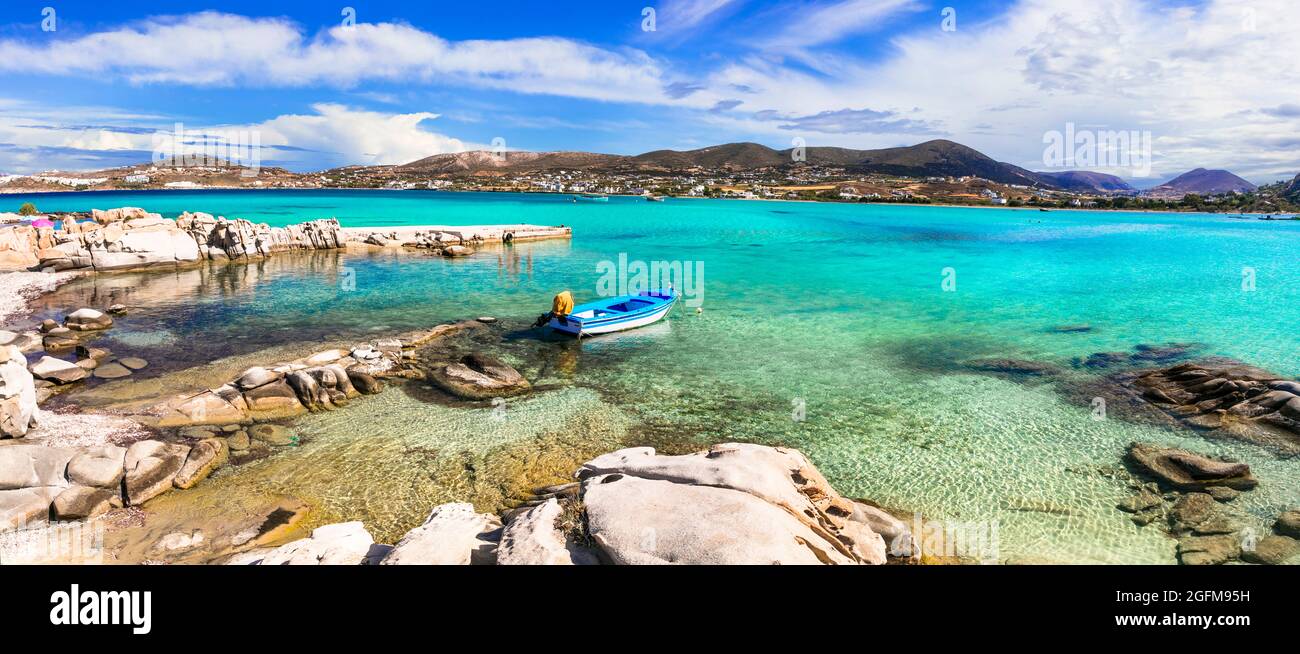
pixel 204 457
pixel 453 534
pixel 17 394
pixel 87 320
pixel 255 377
pixel 346 543
pixel 32 465
pixel 650 521
pixel 26 507
pixel 151 467
pixel 57 370
pixel 531 538
pixel 99 467
pixel 273 401
pixel 734 503
pixel 363 381
pixel 80 502
pixel 205 408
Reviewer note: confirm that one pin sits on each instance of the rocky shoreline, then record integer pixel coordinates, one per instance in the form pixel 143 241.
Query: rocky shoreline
pixel 734 503
pixel 130 238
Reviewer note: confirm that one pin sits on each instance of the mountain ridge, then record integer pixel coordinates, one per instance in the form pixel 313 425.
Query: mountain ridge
pixel 936 158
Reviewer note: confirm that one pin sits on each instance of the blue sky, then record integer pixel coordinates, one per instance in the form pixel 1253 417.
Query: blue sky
pixel 1214 83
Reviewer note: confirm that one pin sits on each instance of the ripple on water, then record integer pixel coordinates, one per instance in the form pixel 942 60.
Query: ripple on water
pixel 387 459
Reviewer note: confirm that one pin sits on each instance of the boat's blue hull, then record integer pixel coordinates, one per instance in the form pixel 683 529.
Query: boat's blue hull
pixel 616 314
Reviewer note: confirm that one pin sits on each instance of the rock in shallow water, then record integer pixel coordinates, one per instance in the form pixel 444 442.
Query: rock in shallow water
pixel 205 457
pixel 479 377
pixel 57 370
pixel 151 467
pixel 1288 524
pixel 1209 550
pixel 1271 550
pixel 134 363
pixel 88 320
pixel 274 435
pixel 112 370
pixel 1185 470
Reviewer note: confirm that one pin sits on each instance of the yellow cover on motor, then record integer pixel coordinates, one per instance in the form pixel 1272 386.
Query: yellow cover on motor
pixel 562 305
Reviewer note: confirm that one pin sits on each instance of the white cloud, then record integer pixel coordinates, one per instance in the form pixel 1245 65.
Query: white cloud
pixel 673 15
pixel 831 22
pixel 359 136
pixel 216 49
pixel 1210 85
pixel 331 135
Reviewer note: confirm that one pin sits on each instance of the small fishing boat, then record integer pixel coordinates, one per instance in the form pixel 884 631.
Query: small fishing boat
pixel 591 198
pixel 654 198
pixel 614 314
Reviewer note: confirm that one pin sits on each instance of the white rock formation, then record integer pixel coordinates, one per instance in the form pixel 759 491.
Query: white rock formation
pixel 346 543
pixel 452 535
pixel 735 503
pixel 17 394
pixel 532 539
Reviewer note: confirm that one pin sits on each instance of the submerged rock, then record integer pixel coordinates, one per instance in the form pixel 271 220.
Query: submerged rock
pixel 273 435
pixel 479 377
pixel 1230 399
pixel 133 363
pixel 1209 550
pixel 113 370
pixel 1271 550
pixel 1012 367
pixel 1185 470
pixel 1288 524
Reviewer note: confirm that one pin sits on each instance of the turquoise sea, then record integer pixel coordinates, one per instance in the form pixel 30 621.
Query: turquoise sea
pixel 840 329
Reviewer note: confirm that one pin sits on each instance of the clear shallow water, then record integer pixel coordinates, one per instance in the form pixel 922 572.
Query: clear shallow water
pixel 840 306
